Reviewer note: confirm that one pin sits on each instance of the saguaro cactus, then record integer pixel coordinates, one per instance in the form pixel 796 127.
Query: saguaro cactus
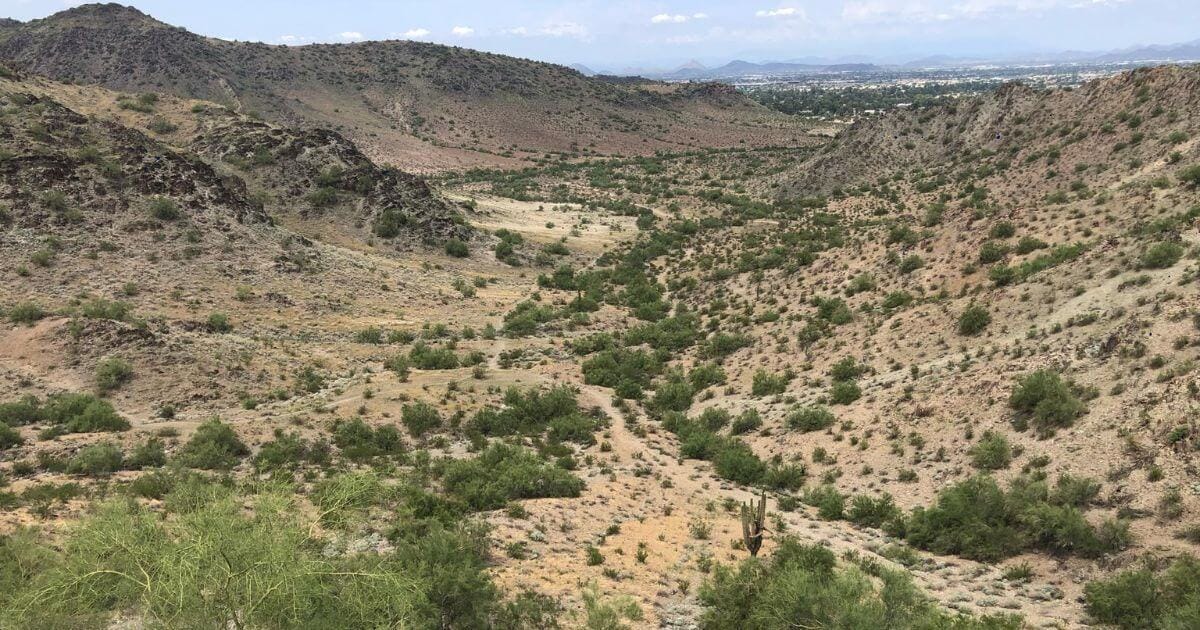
pixel 754 519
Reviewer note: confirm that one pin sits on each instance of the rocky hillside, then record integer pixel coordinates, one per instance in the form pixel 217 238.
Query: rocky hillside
pixel 416 104
pixel 1018 134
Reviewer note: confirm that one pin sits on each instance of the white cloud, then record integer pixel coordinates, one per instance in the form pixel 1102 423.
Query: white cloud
pixel 415 33
pixel 462 31
pixel 677 18
pixel 351 35
pixel 780 12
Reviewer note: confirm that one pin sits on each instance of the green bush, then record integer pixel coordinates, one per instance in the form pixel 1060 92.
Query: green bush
pixel 262 555
pixel 164 209
pixel 97 459
pixel 766 383
pixel 420 418
pixel 1161 255
pixel 746 422
pixel 807 419
pixel 82 413
pixel 992 452
pixel 627 371
pixel 288 451
pixel 1047 400
pixel 1190 176
pixel 358 441
pixel 973 320
pixel 25 313
pixel 149 454
pixel 426 358
pixel 872 511
pixel 846 369
pixel 978 520
pixel 9 437
pixel 218 323
pixel 213 446
pixel 503 473
pixel 554 411
pixel 844 392
pixel 111 373
pixel 457 248
pixel 1139 599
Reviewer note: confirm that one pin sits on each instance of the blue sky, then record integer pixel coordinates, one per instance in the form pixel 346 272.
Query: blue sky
pixel 618 33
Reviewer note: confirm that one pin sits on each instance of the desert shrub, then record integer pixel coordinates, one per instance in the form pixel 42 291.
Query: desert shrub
pixel 1161 255
pixel 1074 491
pixel 704 375
pixel 111 373
pixel 82 413
pixel 26 410
pixel 833 311
pixel 309 380
pixel 213 446
pixel 288 451
pixel 714 418
pixel 746 422
pixel 978 520
pixel 523 320
pixel 872 511
pixel 785 476
pixel 25 313
pixel 9 437
pixel 1046 400
pixel 992 252
pixel 807 419
pixel 973 320
pixel 672 394
pixel 846 369
pixel 554 411
pixel 457 248
pixel 844 392
pixel 148 454
pixel 910 264
pixel 1141 599
pixel 97 459
pixel 830 503
pixel 218 323
pixel 503 473
pixel 358 441
pixel 736 462
pixel 991 452
pixel 164 209
pixel 425 357
pixel 626 371
pixel 100 308
pixel 420 418
pixel 724 344
pixel 1190 176
pixel 1003 229
pixel 766 383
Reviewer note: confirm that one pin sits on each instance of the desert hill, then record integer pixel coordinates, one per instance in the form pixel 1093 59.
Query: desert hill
pixel 414 104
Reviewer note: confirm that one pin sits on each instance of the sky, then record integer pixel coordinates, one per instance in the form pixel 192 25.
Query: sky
pixel 645 34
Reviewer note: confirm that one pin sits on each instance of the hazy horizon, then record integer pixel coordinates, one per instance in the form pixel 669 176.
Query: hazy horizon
pixel 640 34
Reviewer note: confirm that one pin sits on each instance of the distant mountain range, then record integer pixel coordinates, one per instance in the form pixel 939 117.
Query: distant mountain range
pixel 695 71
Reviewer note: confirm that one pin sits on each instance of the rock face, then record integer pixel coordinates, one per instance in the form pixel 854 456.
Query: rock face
pixel 62 168
pixel 296 164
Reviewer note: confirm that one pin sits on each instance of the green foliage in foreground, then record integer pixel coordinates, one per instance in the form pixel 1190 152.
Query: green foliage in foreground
pixel 802 586
pixel 1140 599
pixel 210 562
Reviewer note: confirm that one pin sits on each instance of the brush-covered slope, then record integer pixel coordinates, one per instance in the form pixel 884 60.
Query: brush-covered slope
pixel 413 103
pixel 1017 134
